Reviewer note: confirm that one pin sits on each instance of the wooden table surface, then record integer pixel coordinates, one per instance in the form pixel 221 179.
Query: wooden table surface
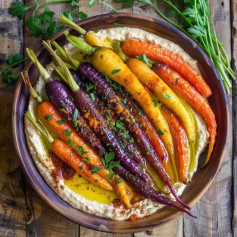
pixel 23 213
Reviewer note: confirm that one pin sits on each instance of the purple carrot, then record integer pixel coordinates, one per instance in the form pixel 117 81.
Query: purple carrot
pixel 106 91
pixel 61 98
pixel 147 191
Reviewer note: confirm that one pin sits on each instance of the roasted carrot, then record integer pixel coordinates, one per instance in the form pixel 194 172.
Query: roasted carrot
pixel 133 48
pixel 65 131
pixel 75 139
pixel 181 143
pixel 64 152
pixel 105 60
pixel 191 95
pixel 164 94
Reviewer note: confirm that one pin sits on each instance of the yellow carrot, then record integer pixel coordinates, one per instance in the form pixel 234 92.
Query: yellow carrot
pixel 105 60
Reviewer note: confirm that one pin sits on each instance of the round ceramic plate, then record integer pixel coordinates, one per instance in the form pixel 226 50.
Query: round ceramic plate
pixel 203 177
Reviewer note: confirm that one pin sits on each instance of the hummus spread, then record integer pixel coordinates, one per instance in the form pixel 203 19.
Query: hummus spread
pixel 78 191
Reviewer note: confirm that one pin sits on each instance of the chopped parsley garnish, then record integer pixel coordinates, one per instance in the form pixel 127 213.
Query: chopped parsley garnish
pixel 133 119
pixel 63 105
pixel 148 210
pixel 72 144
pixel 147 151
pixel 144 205
pixel 48 117
pixel 95 31
pixel 69 141
pixel 165 96
pixel 85 159
pixel 96 180
pixel 95 169
pixel 114 72
pixel 101 153
pixel 67 132
pixel 160 132
pixel 155 102
pixel 116 24
pixel 74 117
pixel 92 95
pixel 140 111
pixel 144 59
pixel 116 86
pixel 131 140
pixel 110 164
pixel 84 110
pixel 90 86
pixel 142 211
pixel 155 163
pixel 80 167
pixel 119 181
pixel 81 150
pixel 61 121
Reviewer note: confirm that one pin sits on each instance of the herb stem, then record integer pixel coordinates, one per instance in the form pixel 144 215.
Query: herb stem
pixel 106 4
pixel 12 65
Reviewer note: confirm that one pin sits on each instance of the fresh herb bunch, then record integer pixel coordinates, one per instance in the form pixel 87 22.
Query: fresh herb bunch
pixel 193 18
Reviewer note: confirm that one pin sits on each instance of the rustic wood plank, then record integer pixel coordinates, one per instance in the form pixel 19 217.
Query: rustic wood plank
pixel 234 64
pixel 12 200
pixel 214 210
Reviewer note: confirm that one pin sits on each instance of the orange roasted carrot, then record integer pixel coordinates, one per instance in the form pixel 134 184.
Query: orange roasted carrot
pixel 64 152
pixel 189 93
pixel 65 131
pixel 134 48
pixel 181 143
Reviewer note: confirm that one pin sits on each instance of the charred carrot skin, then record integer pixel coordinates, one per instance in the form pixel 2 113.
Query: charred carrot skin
pixel 181 143
pixel 59 126
pixel 147 126
pixel 190 94
pixel 63 151
pixel 133 48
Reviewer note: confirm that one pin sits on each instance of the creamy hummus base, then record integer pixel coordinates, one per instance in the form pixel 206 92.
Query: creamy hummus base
pixel 46 167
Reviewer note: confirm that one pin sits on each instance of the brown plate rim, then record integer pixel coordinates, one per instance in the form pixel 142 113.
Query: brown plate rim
pixel 59 206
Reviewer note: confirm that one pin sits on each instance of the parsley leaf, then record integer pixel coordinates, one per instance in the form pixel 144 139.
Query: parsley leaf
pixel 33 25
pixel 114 72
pixel 74 117
pixel 61 121
pixel 75 3
pixel 68 15
pixel 91 3
pixel 18 9
pixel 82 15
pixel 67 132
pixel 46 16
pixel 160 132
pixel 119 181
pixel 51 29
pixel 144 59
pixel 116 24
pixel 85 159
pixel 48 117
pixel 155 102
pixel 9 78
pixel 15 59
pixel 165 96
pixel 95 169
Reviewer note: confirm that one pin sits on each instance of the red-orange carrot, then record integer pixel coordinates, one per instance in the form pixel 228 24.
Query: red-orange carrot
pixel 63 151
pixel 134 48
pixel 189 93
pixel 181 143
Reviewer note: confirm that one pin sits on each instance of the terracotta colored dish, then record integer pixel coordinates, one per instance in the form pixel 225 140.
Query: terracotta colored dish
pixel 202 178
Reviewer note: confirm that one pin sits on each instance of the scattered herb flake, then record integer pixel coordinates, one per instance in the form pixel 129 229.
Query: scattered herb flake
pixel 160 132
pixel 165 96
pixel 119 181
pixel 95 169
pixel 155 102
pixel 144 59
pixel 114 72
pixel 48 117
pixel 85 159
pixel 82 15
pixel 74 117
pixel 95 31
pixel 67 132
pixel 116 24
pixel 61 121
